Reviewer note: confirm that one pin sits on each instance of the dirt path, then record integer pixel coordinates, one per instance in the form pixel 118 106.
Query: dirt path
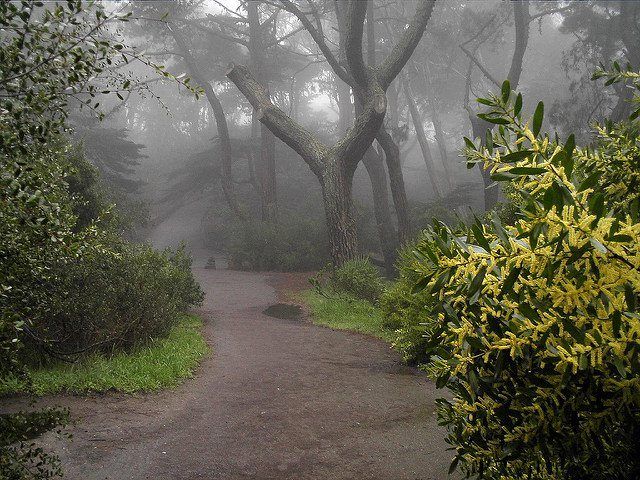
pixel 277 399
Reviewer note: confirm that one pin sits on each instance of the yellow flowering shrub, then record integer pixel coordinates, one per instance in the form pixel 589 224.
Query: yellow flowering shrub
pixel 537 324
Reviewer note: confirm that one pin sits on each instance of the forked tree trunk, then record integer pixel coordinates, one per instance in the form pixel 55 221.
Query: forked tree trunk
pixel 374 165
pixel 334 165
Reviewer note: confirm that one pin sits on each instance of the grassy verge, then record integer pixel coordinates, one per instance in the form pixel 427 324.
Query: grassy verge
pixel 164 363
pixel 345 313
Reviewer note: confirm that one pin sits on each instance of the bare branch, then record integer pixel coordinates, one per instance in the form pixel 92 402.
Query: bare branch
pixel 477 63
pixel 297 137
pixel 402 51
pixel 318 37
pixel 550 12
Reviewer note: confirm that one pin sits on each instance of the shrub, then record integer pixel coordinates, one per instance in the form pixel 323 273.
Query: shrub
pixel 538 324
pixel 407 312
pixel 292 245
pixel 117 297
pixel 358 278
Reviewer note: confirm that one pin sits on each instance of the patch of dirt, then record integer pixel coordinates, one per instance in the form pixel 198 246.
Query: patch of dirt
pixel 275 400
pixel 288 284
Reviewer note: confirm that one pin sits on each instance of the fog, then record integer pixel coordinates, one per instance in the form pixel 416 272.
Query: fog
pixel 167 160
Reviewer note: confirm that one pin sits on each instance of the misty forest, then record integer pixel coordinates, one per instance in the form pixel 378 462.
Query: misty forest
pixel 320 239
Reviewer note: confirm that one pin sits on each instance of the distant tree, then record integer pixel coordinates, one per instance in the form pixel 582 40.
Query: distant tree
pixel 334 166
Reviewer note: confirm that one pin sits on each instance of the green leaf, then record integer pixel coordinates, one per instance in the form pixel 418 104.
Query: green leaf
pixel 617 361
pixel 570 144
pixel 517 107
pixel 454 464
pixel 630 297
pixel 589 182
pixel 489 141
pixel 527 170
pixel 570 327
pixel 476 283
pixel 506 91
pixel 516 156
pixel 493 119
pixel 502 177
pixel 479 236
pixel 620 238
pixel 470 145
pixel 537 119
pixel 421 284
pixel 507 286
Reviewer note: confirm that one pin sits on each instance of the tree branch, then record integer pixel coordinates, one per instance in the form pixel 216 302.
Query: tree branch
pixel 297 137
pixel 402 51
pixel 354 22
pixel 364 130
pixel 522 20
pixel 475 61
pixel 318 38
pixel 216 33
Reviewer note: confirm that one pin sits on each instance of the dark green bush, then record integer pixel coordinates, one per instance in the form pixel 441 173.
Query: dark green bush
pixel 115 298
pixel 292 245
pixel 358 278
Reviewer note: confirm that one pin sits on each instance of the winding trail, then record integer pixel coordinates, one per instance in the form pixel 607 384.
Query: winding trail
pixel 277 399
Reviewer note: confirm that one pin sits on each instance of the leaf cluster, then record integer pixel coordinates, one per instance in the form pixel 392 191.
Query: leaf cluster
pixel 537 324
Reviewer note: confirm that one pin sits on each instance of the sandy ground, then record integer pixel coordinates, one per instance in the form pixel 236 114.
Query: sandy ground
pixel 277 399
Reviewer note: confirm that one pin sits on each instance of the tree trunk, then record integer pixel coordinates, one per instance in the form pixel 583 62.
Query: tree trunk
pixel 221 124
pixel 338 207
pixel 335 165
pixel 386 142
pixel 437 126
pixel 422 140
pixel 375 168
pixel 396 180
pixel 268 180
pixel 268 192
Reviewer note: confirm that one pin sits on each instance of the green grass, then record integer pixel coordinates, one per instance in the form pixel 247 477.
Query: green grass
pixel 163 363
pixel 346 313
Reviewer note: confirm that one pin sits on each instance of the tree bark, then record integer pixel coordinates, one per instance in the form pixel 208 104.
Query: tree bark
pixel 396 180
pixel 382 213
pixel 338 206
pixel 388 144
